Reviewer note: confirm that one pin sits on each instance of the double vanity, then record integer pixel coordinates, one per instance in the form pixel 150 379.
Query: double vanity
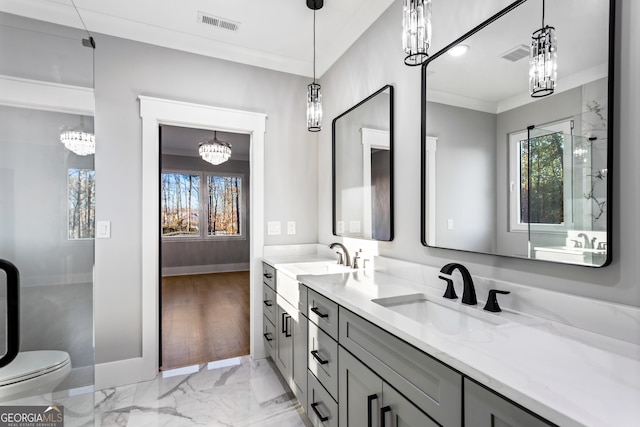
pixel 364 347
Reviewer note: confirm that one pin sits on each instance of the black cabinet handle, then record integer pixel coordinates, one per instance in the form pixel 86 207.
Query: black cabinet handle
pixel 267 336
pixel 320 360
pixel 268 303
pixel 320 314
pixel 383 413
pixel 287 329
pixel 268 275
pixel 370 400
pixel 314 406
pixel 284 322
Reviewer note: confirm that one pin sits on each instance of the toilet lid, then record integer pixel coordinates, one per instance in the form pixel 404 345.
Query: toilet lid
pixel 30 364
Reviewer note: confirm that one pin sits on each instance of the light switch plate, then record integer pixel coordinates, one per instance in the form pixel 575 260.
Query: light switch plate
pixel 291 227
pixel 103 229
pixel 340 227
pixel 450 224
pixel 354 226
pixel 273 228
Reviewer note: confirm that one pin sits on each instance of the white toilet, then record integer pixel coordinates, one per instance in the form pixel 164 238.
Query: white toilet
pixel 33 373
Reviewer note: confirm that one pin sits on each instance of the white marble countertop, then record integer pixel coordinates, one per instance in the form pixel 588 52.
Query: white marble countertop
pixel 569 376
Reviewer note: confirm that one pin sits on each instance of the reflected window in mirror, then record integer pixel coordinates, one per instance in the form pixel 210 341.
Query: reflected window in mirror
pixel 362 157
pixel 511 175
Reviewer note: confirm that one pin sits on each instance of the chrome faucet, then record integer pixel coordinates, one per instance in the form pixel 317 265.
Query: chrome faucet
pixel 469 291
pixel 347 260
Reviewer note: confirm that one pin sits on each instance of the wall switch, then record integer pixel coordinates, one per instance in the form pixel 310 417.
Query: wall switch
pixel 450 224
pixel 354 226
pixel 273 228
pixel 291 227
pixel 103 229
pixel 340 227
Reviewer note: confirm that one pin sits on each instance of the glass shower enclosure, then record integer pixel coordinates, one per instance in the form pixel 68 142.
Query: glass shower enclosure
pixel 47 216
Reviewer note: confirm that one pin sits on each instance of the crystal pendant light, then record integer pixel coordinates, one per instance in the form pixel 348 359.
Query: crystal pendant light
pixel 78 141
pixel 543 61
pixel 416 30
pixel 314 96
pixel 215 151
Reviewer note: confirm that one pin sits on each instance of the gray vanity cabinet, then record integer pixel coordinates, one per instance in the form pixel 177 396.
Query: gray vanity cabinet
pixel 483 408
pixel 366 400
pixel 284 340
pixel 300 334
pixel 432 386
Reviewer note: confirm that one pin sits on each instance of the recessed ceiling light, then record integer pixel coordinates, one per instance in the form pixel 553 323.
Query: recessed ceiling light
pixel 458 50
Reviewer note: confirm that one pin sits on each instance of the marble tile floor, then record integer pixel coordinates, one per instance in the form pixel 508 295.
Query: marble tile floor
pixel 237 392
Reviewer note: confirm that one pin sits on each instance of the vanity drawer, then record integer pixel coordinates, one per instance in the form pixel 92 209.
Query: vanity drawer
pixel 323 312
pixel 429 384
pixel 269 275
pixel 322 409
pixel 269 336
pixel 323 359
pixel 269 303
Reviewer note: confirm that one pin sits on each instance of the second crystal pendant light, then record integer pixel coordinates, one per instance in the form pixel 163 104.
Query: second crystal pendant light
pixel 314 96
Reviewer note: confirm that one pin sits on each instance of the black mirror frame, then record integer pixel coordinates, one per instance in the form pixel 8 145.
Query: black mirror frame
pixel 610 122
pixel 391 159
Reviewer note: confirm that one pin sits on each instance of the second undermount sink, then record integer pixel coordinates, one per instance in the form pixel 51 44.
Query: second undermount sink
pixel 448 320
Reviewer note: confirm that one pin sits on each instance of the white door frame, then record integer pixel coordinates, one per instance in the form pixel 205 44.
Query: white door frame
pixel 155 112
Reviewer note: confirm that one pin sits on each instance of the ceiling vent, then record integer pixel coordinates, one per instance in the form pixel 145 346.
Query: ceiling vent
pixel 216 21
pixel 517 53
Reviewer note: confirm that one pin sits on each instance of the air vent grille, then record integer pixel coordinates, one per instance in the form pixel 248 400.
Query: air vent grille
pixel 517 53
pixel 216 21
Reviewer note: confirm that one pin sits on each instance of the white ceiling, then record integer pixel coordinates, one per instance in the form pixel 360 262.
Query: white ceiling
pixel 183 141
pixel 273 34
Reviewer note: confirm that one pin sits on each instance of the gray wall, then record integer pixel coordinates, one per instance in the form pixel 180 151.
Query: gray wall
pixel 124 70
pixel 376 59
pixel 226 254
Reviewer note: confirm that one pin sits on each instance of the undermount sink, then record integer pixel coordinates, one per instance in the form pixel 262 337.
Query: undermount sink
pixel 448 320
pixel 316 268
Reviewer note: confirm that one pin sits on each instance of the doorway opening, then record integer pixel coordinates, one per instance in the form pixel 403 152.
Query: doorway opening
pixel 205 249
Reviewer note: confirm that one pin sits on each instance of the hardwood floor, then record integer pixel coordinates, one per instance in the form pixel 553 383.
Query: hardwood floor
pixel 205 317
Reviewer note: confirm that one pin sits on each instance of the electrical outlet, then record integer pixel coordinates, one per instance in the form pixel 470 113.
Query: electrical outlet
pixel 291 227
pixel 273 228
pixel 450 224
pixel 340 227
pixel 354 226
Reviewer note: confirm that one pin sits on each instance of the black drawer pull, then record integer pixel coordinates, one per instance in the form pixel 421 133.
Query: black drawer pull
pixel 320 315
pixel 320 360
pixel 267 336
pixel 383 413
pixel 268 303
pixel 285 316
pixel 370 400
pixel 268 275
pixel 314 406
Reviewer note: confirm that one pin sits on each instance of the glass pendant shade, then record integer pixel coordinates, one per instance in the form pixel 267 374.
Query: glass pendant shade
pixel 416 30
pixel 314 107
pixel 543 62
pixel 215 151
pixel 80 142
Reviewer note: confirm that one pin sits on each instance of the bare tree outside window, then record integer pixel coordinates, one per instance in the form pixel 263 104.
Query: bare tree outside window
pixel 224 203
pixel 180 195
pixel 81 196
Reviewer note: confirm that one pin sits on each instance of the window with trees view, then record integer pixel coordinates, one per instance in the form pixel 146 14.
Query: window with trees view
pixel 180 205
pixel 81 197
pixel 194 201
pixel 539 165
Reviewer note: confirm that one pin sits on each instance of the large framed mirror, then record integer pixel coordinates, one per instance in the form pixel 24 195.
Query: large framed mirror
pixel 509 174
pixel 363 168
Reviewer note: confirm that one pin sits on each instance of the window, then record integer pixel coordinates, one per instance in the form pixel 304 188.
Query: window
pixel 194 201
pixel 224 200
pixel 180 205
pixel 81 197
pixel 538 167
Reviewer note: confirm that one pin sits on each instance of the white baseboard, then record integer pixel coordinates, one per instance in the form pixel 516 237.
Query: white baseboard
pixel 205 269
pixel 122 372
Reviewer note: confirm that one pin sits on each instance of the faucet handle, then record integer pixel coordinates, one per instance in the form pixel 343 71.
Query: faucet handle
pixel 340 259
pixel 492 300
pixel 450 293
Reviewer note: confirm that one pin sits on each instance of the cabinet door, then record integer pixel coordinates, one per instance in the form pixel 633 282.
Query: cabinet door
pixel 397 411
pixel 269 335
pixel 300 358
pixel 284 343
pixel 359 393
pixel 483 408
